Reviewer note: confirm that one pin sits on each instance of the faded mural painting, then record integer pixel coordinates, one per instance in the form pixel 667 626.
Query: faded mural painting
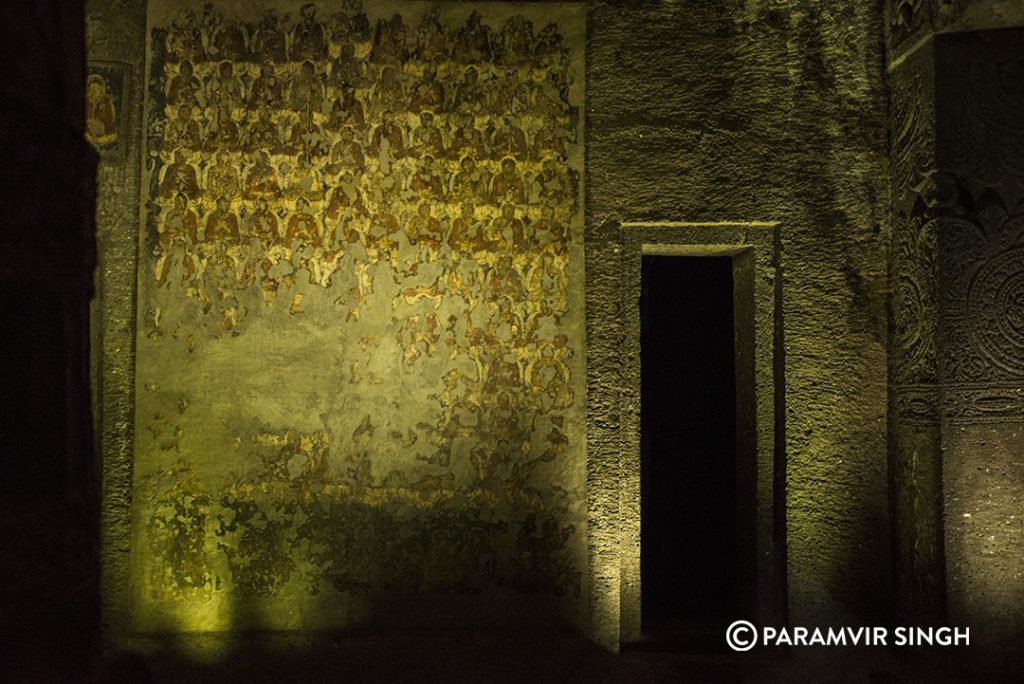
pixel 360 329
pixel 106 95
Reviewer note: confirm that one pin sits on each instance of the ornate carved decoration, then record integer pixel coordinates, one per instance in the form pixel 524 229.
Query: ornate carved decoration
pixel 913 309
pixel 906 18
pixel 982 294
pixel 913 260
pixel 913 136
pixel 981 227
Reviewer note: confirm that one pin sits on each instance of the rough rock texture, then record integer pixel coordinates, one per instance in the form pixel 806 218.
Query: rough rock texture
pixel 757 111
pixel 979 117
pixel 915 462
pixel 726 110
pixel 115 33
pixel 956 268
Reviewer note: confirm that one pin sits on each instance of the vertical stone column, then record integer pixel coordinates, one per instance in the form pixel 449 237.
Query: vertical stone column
pixel 979 104
pixel 915 461
pixel 957 323
pixel 49 495
pixel 116 44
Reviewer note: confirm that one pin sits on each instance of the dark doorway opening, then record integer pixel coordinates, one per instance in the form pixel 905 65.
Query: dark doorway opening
pixel 688 549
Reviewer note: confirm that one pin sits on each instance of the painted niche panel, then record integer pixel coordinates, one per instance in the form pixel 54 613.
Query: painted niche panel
pixel 360 331
pixel 107 87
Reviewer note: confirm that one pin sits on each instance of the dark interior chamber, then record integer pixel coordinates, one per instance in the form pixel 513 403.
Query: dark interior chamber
pixel 688 443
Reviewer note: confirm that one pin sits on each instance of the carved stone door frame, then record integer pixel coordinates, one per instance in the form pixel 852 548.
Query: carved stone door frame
pixel 754 250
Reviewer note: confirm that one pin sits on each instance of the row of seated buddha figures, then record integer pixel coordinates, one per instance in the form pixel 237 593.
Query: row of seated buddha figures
pixel 409 258
pixel 276 38
pixel 406 134
pixel 356 93
pixel 346 184
pixel 484 233
pixel 365 157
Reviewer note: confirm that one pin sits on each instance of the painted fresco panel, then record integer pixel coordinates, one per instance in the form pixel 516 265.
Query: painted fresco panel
pixel 360 332
pixel 106 98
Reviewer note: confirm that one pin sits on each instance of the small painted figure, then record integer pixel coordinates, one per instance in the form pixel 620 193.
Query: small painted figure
pixel 427 138
pixel 423 228
pixel 470 95
pixel 305 181
pixel 346 110
pixel 549 142
pixel 261 181
pixel 183 38
pixel 222 39
pixel 223 133
pixel 303 226
pixel 388 92
pixel 345 196
pixel 428 92
pixel 306 137
pixel 468 140
pixel 267 90
pixel 388 138
pixel 347 154
pixel 516 41
pixel 426 182
pixel 554 182
pixel 508 185
pixel 263 134
pixel 431 39
pixel 473 42
pixel 268 41
pixel 184 88
pixel 389 43
pixel 470 183
pixel 263 224
pixel 548 231
pixel 222 178
pixel 309 38
pixel 464 229
pixel 179 178
pixel 509 140
pixel 351 23
pixel 183 131
pixel 506 231
pixel 222 224
pixel 180 222
pixel 225 89
pixel 307 91
pixel 347 70
pixel 101 114
pixel 510 95
pixel 548 47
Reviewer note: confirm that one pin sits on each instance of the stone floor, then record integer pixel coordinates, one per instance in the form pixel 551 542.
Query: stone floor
pixel 488 657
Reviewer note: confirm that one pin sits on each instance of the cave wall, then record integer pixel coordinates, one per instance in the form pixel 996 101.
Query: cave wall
pixel 756 111
pixel 115 38
pixel 359 371
pixel 712 111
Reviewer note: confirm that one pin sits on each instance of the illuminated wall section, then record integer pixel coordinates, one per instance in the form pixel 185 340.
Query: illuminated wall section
pixel 360 340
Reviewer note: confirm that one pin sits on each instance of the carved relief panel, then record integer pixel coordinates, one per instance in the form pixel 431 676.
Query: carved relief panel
pixel 981 229
pixel 914 257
